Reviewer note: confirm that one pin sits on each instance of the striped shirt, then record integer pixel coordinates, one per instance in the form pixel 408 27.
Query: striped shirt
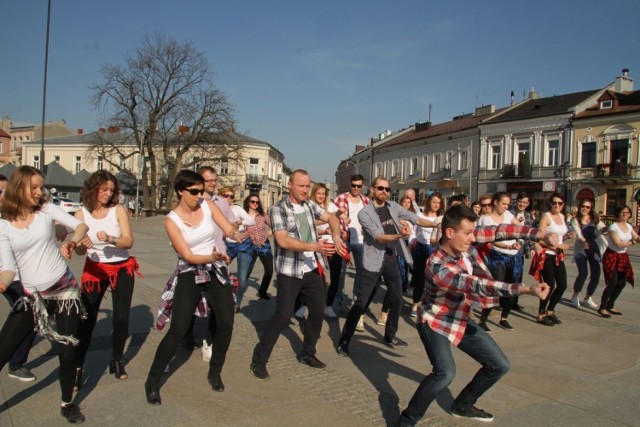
pixel 452 283
pixel 282 215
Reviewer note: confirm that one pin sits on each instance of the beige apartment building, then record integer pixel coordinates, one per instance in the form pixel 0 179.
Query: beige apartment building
pixel 23 132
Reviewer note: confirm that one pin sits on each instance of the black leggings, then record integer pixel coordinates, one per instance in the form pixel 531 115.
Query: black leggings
pixel 267 264
pixel 18 326
pixel 185 300
pixel 335 270
pixel 121 295
pixel 502 274
pixel 612 291
pixel 556 277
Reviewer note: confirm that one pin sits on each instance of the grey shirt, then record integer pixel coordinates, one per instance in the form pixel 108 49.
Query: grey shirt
pixel 372 228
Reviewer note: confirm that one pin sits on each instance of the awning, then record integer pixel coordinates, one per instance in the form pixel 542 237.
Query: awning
pixel 585 193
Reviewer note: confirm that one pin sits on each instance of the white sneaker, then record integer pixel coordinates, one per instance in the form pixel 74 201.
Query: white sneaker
pixel 328 311
pixel 575 301
pixel 360 325
pixel 588 302
pixel 206 351
pixel 300 313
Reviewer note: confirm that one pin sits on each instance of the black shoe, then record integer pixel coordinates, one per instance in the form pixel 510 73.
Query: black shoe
pixel 343 349
pixel 117 369
pixel 311 361
pixel 504 324
pixel 259 370
pixel 72 413
pixel 216 383
pixel 77 383
pixel 395 342
pixel 483 325
pixel 554 319
pixel 264 295
pixel 604 313
pixel 518 307
pixel 614 312
pixel 545 321
pixel 153 393
pixel 472 413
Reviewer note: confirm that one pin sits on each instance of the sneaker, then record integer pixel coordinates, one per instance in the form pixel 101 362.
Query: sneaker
pixel 360 325
pixel 311 361
pixel 575 301
pixel 483 325
pixel 472 413
pixel 259 370
pixel 328 311
pixel 300 313
pixel 554 318
pixel 394 342
pixel 588 302
pixel 343 349
pixel 72 413
pixel 504 324
pixel 206 351
pixel 22 374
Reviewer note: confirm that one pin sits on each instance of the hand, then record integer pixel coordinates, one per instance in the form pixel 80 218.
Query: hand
pixel 405 231
pixel 516 246
pixel 102 236
pixel 3 288
pixel 346 220
pixel 541 290
pixel 86 242
pixel 219 256
pixel 66 249
pixel 341 248
pixel 239 236
pixel 327 249
pixel 549 239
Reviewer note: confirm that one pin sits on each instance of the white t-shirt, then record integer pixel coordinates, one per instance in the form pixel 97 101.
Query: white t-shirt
pixel 199 238
pixel 559 229
pixel 33 251
pixel 355 229
pixel 243 216
pixel 624 237
pixel 331 208
pixel 488 221
pixel 104 251
pixel 423 234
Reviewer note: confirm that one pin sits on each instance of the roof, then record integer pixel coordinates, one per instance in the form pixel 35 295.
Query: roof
pixel 8 169
pixel 3 134
pixel 625 102
pixel 550 106
pixel 57 176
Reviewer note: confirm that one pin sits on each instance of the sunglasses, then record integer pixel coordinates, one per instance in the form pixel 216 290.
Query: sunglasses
pixel 381 188
pixel 256 202
pixel 356 185
pixel 228 196
pixel 485 205
pixel 195 191
pixel 585 207
pixel 557 203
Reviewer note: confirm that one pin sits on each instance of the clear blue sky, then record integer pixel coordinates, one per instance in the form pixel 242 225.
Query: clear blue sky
pixel 316 78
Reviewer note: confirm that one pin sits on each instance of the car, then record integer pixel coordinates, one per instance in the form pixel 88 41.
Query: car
pixel 68 205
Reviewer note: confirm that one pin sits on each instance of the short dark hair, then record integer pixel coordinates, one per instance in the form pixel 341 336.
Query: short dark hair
pixel 556 196
pixel 461 198
pixel 357 177
pixel 455 215
pixel 184 179
pixel 619 209
pixel 522 195
pixel 500 195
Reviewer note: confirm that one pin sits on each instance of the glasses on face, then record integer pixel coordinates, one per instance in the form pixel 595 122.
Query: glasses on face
pixel 254 202
pixel 557 203
pixel 585 207
pixel 381 188
pixel 195 191
pixel 208 181
pixel 485 205
pixel 356 185
pixel 625 213
pixel 228 196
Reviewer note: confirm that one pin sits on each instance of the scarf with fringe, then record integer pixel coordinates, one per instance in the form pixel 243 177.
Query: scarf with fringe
pixel 97 273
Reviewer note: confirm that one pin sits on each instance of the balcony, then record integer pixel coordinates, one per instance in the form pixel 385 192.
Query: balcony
pixel 615 170
pixel 255 178
pixel 522 170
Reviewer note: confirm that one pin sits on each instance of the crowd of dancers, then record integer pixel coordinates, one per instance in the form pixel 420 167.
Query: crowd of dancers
pixel 459 260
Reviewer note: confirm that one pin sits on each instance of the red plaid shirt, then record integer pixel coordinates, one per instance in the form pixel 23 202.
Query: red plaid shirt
pixel 450 287
pixel 342 202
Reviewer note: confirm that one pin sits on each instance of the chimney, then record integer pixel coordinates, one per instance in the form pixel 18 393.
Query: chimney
pixel 360 148
pixel 183 130
pixel 623 83
pixel 114 129
pixel 533 94
pixel 80 131
pixel 101 130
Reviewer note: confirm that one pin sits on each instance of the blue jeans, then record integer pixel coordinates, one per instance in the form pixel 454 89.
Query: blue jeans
pixel 477 344
pixel 244 264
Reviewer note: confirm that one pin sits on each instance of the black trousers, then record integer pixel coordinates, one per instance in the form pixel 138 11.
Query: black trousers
pixel 335 270
pixel 612 291
pixel 121 301
pixel 185 300
pixel 12 294
pixel 556 277
pixel 390 272
pixel 311 289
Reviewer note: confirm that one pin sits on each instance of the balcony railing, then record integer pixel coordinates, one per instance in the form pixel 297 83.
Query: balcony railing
pixel 255 177
pixel 615 170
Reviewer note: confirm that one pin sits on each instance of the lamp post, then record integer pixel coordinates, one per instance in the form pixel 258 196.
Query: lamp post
pixel 44 90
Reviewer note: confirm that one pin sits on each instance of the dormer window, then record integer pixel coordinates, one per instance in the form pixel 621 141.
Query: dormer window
pixel 605 105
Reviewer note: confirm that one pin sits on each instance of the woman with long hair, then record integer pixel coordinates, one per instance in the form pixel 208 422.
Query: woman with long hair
pixel 424 245
pixel 28 245
pixel 201 269
pixel 502 260
pixel 108 266
pixel 241 250
pixel 586 252
pixel 259 235
pixel 615 261
pixel 548 264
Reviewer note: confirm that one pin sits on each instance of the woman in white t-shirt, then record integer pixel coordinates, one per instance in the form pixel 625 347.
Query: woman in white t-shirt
pixel 201 269
pixel 108 266
pixel 28 245
pixel 501 260
pixel 615 261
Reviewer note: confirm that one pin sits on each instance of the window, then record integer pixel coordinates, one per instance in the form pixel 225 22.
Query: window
pixel 425 166
pixel 414 165
pixel 605 105
pixel 523 150
pixel 553 153
pixel 123 163
pixel 36 162
pixel 436 163
pixel 196 164
pixel 56 159
pixel 496 156
pixel 100 163
pixel 588 155
pixel 224 166
pixel 463 160
pixel 615 198
pixel 394 169
pixel 78 164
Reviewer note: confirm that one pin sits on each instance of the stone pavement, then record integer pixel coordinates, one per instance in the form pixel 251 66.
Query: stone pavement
pixel 584 372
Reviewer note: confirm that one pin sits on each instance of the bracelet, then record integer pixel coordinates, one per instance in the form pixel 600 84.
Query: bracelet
pixel 113 241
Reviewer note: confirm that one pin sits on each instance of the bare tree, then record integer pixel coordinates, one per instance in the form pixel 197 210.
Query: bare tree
pixel 167 110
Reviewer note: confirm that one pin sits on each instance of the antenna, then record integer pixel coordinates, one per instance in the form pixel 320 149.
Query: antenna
pixel 429 120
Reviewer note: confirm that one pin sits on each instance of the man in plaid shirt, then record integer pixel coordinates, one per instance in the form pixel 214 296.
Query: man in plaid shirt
pixel 455 277
pixel 299 268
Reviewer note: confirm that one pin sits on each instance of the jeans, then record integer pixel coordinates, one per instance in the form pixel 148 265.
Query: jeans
pixel 556 277
pixel 121 295
pixel 584 263
pixel 311 288
pixel 12 294
pixel 185 299
pixel 266 258
pixel 391 274
pixel 477 344
pixel 244 264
